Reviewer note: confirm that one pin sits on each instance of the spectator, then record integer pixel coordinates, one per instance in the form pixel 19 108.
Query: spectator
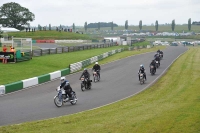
pixel 4 48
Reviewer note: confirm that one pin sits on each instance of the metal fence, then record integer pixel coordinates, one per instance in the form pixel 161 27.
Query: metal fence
pixel 41 52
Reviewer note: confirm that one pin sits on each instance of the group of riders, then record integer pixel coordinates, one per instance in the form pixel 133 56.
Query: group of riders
pixel 65 83
pixel 157 57
pixel 96 68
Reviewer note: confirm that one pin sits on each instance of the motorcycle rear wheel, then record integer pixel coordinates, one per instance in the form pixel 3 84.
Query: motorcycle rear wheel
pixel 74 101
pixel 82 87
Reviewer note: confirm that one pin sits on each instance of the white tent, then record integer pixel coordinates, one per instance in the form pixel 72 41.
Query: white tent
pixel 6 29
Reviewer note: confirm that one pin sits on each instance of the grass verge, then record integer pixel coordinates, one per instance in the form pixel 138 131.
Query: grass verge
pixel 169 106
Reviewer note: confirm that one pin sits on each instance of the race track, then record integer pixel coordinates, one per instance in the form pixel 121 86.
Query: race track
pixel 119 80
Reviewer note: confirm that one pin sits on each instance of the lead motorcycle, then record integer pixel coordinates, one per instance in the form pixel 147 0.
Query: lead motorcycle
pixel 62 98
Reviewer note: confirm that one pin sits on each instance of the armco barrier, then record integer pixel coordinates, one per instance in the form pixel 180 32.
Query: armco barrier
pixel 4 89
pixel 93 59
pixel 77 66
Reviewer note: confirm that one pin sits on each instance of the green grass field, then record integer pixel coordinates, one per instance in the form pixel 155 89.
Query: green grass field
pixel 169 106
pixel 48 35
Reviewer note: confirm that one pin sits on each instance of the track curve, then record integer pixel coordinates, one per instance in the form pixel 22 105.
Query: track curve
pixel 118 80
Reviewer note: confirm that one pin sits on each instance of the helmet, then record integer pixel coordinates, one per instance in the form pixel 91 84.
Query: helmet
pixel 62 79
pixel 141 66
pixel 85 69
pixel 96 62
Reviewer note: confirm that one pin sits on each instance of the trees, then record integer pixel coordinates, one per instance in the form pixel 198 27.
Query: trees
pixel 85 26
pixel 156 25
pixel 99 26
pixel 111 25
pixel 49 26
pixel 73 27
pixel 173 25
pixel 140 24
pixel 126 24
pixel 14 15
pixel 189 24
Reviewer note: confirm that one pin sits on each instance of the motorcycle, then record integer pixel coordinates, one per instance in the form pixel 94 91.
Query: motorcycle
pixel 152 70
pixel 96 76
pixel 161 56
pixel 84 84
pixel 157 64
pixel 141 78
pixel 62 98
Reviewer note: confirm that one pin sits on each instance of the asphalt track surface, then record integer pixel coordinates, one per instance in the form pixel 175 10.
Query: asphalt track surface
pixel 119 80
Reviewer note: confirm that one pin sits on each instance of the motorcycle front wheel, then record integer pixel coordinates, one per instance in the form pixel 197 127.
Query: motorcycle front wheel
pixel 57 102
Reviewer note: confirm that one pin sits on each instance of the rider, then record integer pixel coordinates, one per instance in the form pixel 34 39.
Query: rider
pixel 66 86
pixel 97 68
pixel 161 52
pixel 157 58
pixel 142 71
pixel 155 55
pixel 86 75
pixel 153 63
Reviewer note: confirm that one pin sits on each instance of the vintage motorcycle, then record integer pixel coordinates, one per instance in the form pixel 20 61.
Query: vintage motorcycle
pixel 84 84
pixel 142 80
pixel 62 98
pixel 152 70
pixel 157 64
pixel 96 76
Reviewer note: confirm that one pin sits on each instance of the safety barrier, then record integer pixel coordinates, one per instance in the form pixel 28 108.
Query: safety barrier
pixel 82 64
pixel 8 88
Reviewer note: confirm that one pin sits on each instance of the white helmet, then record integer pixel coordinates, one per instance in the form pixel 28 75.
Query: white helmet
pixel 96 62
pixel 62 79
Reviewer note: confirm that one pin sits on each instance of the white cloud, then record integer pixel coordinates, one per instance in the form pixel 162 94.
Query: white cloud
pixel 67 12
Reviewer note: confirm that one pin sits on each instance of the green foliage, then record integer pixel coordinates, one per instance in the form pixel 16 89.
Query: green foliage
pixel 111 25
pixel 102 24
pixel 49 26
pixel 189 24
pixel 99 26
pixel 85 26
pixel 126 24
pixel 14 15
pixel 156 25
pixel 73 27
pixel 173 25
pixel 140 25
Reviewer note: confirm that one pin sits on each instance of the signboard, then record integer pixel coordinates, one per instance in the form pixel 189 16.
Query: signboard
pixel 8 55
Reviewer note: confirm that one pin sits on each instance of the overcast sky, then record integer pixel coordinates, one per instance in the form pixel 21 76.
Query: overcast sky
pixel 67 12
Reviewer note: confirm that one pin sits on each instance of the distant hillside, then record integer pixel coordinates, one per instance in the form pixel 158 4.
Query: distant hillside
pixel 102 24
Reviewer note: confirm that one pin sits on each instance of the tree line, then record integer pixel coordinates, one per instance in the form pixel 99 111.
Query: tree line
pixel 14 15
